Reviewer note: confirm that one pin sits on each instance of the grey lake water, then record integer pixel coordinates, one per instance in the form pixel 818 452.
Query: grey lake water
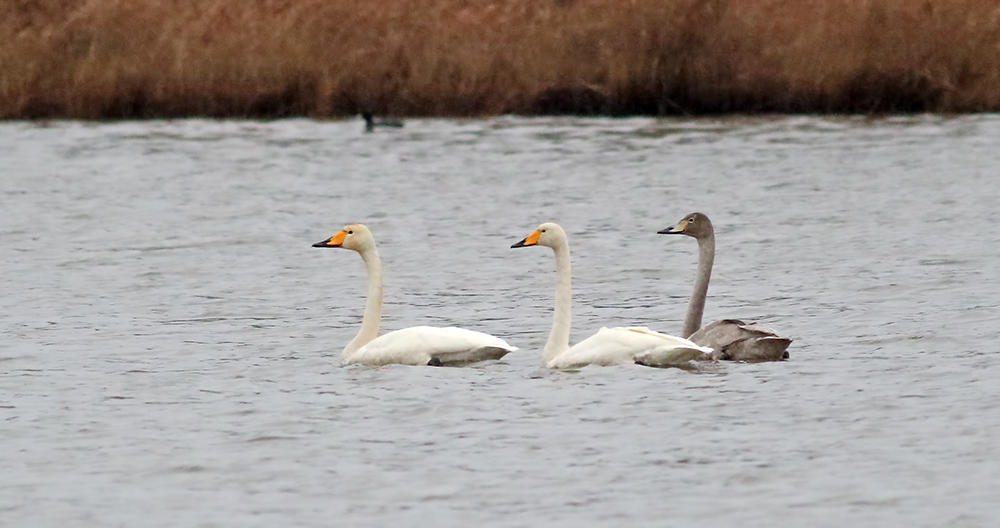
pixel 170 342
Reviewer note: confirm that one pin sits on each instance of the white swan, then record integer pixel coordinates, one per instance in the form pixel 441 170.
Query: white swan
pixel 419 345
pixel 609 346
pixel 731 338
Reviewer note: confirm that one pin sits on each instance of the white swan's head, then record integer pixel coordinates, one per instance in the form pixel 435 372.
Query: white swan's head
pixel 694 225
pixel 353 236
pixel 547 234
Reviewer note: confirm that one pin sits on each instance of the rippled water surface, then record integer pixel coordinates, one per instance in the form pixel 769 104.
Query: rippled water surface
pixel 169 342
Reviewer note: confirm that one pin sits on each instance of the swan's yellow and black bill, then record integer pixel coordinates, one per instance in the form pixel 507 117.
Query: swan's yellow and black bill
pixel 530 240
pixel 677 229
pixel 334 241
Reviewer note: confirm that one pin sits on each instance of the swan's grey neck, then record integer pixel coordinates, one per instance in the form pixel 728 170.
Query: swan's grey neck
pixel 706 256
pixel 562 318
pixel 373 308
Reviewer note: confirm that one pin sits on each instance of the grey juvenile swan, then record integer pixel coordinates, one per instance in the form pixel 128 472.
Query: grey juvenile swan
pixel 731 338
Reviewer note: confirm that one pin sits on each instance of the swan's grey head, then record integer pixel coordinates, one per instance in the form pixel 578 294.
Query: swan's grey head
pixel 352 236
pixel 694 225
pixel 547 234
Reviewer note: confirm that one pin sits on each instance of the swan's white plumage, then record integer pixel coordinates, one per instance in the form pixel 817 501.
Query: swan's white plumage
pixel 616 346
pixel 609 346
pixel 418 345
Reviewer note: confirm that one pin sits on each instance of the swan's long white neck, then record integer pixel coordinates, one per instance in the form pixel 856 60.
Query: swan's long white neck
pixel 696 308
pixel 373 308
pixel 562 318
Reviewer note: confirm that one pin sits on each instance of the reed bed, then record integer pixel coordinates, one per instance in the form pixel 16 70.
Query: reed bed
pixel 273 58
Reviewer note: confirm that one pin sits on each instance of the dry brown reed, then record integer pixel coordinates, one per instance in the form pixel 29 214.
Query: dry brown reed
pixel 274 58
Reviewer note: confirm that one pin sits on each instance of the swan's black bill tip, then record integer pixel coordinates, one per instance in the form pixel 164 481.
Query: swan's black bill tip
pixel 669 231
pixel 519 244
pixel 325 244
pixel 435 362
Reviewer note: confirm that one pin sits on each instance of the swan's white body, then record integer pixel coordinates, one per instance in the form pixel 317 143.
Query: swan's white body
pixel 634 344
pixel 609 346
pixel 418 345
pixel 730 338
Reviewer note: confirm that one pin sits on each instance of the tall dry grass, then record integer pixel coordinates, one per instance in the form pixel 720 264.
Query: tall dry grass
pixel 272 58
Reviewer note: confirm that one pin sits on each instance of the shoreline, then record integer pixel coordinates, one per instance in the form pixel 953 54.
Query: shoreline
pixel 114 59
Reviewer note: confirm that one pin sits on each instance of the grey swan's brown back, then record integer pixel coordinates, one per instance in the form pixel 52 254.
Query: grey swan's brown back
pixel 736 340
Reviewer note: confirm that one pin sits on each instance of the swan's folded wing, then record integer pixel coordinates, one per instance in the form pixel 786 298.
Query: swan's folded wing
pixel 769 348
pixel 419 344
pixel 615 346
pixel 737 340
pixel 672 352
pixel 673 356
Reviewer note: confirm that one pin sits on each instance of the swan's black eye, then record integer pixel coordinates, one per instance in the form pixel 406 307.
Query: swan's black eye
pixel 690 220
pixel 350 232
pixel 543 230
